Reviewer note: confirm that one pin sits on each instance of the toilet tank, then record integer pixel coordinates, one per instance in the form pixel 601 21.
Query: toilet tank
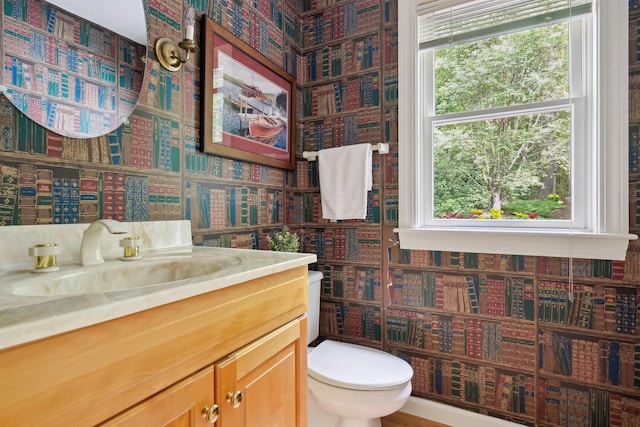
pixel 313 311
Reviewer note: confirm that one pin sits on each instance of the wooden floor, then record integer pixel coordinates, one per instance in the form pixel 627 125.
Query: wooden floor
pixel 401 419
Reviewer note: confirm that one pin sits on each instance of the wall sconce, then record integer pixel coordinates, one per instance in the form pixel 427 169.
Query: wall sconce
pixel 172 56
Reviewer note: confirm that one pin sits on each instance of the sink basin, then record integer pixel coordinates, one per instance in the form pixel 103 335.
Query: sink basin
pixel 119 275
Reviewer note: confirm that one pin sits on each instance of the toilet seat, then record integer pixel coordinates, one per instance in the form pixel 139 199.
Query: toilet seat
pixel 356 367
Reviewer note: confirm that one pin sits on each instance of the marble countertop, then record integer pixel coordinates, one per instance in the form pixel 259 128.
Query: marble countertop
pixel 28 318
pixel 27 315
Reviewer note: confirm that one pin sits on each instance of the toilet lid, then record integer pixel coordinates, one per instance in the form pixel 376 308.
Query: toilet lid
pixel 356 367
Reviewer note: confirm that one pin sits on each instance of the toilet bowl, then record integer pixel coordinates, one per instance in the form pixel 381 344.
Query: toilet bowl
pixel 351 385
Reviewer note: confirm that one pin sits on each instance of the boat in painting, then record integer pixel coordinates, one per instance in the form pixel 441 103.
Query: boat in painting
pixel 261 119
pixel 265 128
pixel 266 108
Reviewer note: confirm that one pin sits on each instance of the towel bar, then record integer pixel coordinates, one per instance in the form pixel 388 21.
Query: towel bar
pixel 382 147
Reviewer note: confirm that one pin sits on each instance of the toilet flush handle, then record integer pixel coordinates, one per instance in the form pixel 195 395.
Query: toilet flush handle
pixel 234 398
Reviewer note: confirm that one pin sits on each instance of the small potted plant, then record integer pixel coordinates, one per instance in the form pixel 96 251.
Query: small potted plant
pixel 284 241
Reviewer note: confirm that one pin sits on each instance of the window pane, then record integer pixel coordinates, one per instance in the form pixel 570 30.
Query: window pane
pixel 514 167
pixel 511 69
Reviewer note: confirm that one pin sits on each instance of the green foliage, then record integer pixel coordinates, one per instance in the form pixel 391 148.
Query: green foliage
pixel 517 68
pixel 284 241
pixel 541 207
pixel 457 192
pixel 482 163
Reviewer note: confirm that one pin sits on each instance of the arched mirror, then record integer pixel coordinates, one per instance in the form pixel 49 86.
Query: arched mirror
pixel 75 67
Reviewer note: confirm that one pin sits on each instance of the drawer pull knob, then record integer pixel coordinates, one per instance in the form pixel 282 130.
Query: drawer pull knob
pixel 211 413
pixel 234 398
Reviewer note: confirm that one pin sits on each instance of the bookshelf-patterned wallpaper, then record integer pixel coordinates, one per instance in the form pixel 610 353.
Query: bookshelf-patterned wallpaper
pixel 507 336
pixel 350 56
pixel 494 334
pixel 151 168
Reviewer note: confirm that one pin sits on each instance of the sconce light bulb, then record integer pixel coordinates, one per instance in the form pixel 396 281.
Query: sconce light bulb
pixel 172 55
pixel 189 21
pixel 191 16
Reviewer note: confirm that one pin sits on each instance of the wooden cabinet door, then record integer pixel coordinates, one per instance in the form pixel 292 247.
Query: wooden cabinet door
pixel 265 383
pixel 180 405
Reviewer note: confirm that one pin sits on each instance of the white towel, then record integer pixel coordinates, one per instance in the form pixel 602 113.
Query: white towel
pixel 345 178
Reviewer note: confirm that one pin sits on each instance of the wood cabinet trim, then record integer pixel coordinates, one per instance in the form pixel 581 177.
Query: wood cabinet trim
pixel 253 355
pixel 156 408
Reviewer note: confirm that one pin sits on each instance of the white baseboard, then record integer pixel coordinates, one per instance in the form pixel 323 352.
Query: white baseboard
pixel 450 415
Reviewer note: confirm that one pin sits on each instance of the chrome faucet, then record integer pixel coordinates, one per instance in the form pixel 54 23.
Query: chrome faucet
pixel 90 249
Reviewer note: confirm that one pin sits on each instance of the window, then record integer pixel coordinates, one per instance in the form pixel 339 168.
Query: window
pixel 513 127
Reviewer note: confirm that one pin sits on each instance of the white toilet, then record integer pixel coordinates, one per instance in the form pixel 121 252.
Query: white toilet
pixel 351 385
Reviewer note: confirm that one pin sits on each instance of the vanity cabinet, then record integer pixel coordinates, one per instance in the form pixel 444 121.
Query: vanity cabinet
pixel 163 366
pixel 256 383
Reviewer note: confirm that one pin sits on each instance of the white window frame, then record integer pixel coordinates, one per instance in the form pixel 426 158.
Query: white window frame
pixel 600 232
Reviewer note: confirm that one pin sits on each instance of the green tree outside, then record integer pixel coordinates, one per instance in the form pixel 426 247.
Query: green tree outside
pixel 488 163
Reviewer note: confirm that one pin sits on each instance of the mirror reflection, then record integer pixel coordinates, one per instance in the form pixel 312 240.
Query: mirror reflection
pixel 68 72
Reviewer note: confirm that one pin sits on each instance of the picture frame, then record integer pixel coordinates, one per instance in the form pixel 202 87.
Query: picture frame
pixel 248 101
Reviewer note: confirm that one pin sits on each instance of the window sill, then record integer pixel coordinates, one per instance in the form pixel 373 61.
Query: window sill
pixel 516 242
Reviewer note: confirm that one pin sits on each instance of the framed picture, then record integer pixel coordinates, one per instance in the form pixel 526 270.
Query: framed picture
pixel 248 101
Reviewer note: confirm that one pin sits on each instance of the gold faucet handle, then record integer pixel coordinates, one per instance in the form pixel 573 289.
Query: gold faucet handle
pixel 44 257
pixel 131 247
